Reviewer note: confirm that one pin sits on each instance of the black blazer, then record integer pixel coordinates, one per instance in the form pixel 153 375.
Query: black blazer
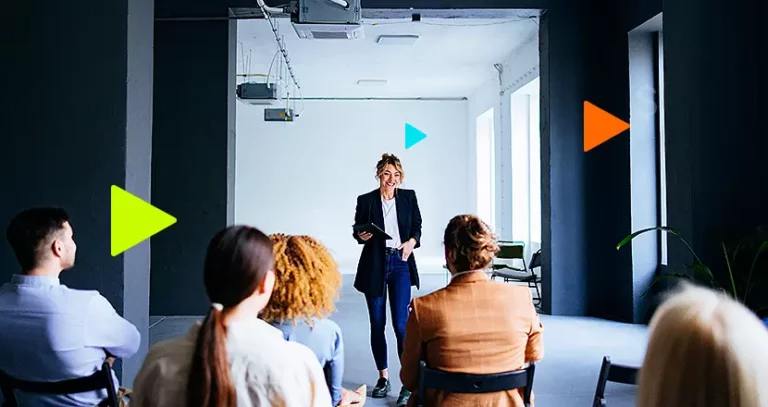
pixel 370 268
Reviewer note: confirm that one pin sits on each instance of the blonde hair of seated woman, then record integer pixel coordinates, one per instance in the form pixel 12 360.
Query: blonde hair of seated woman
pixel 704 350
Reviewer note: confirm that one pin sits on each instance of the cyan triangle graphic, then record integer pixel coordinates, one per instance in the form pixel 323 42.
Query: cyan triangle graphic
pixel 413 136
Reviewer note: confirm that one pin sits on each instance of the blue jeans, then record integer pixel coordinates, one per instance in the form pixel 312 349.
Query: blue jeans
pixel 397 279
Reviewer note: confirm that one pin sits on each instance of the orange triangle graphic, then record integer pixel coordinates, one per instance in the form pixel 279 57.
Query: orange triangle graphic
pixel 600 126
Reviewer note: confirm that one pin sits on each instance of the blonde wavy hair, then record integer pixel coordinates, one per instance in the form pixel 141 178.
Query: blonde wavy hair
pixel 307 280
pixel 389 159
pixel 704 350
pixel 469 243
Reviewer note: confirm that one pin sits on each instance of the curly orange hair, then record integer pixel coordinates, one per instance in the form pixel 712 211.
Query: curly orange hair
pixel 307 280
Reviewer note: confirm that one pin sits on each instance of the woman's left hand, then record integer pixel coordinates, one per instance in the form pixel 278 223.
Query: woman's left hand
pixel 407 248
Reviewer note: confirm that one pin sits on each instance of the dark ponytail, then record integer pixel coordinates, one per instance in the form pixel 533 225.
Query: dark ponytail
pixel 210 384
pixel 236 263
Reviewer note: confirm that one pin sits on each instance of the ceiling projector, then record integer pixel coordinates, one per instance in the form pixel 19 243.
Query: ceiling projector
pixel 328 19
pixel 254 93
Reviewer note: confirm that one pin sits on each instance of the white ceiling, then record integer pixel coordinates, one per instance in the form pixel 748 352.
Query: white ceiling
pixel 451 58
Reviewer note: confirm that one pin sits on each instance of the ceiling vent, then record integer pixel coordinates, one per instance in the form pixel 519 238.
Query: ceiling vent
pixel 329 31
pixel 397 39
pixel 372 82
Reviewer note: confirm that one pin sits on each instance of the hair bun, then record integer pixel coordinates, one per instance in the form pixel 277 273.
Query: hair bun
pixel 471 242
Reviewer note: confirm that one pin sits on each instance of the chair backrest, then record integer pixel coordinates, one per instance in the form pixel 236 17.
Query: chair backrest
pixel 535 260
pixel 328 375
pixel 475 383
pixel 611 372
pixel 510 250
pixel 101 379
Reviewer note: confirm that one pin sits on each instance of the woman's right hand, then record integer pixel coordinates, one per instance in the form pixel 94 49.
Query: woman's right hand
pixel 350 398
pixel 364 236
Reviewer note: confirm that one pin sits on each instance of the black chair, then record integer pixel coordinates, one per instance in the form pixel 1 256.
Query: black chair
pixel 514 251
pixel 97 381
pixel 612 372
pixel 474 383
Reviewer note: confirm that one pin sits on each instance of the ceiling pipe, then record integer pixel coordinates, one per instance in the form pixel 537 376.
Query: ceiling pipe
pixel 208 18
pixel 280 43
pixel 267 9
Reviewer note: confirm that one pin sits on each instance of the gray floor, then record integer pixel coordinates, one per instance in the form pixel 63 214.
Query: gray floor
pixel 574 348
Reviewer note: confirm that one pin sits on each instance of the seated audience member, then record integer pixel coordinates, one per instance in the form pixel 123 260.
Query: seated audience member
pixel 50 332
pixel 233 358
pixel 704 350
pixel 307 283
pixel 474 325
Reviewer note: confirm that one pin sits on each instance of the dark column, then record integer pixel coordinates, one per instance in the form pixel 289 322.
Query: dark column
pixel 65 128
pixel 192 168
pixel 607 176
pixel 563 43
pixel 717 146
pixel 138 169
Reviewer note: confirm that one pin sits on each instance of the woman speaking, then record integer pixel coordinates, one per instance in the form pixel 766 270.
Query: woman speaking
pixel 387 265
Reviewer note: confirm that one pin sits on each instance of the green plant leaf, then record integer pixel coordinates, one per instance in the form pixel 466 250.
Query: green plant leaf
pixel 667 229
pixel 763 247
pixel 730 273
pixel 662 277
pixel 641 231
pixel 701 273
pixel 738 247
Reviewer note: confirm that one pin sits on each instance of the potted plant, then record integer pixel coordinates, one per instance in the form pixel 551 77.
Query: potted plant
pixel 744 273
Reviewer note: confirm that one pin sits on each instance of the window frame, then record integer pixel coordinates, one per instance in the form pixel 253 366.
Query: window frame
pixel 661 176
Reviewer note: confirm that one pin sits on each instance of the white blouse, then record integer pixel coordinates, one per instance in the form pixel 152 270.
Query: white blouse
pixel 266 370
pixel 389 209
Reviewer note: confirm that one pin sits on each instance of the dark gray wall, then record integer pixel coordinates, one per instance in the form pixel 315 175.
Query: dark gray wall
pixel 564 265
pixel 717 144
pixel 193 127
pixel 608 217
pixel 64 125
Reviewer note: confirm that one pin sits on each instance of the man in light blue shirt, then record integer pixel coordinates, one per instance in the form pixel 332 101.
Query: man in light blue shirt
pixel 50 332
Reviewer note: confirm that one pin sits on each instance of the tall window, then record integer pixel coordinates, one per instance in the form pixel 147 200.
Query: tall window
pixel 661 147
pixel 526 166
pixel 485 167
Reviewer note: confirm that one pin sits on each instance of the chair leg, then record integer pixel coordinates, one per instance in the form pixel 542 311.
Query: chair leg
pixel 537 299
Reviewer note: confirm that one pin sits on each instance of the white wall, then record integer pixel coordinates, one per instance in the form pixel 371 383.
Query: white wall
pixel 303 177
pixel 521 67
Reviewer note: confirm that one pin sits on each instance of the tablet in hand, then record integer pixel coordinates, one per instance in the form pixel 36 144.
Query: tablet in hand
pixel 372 229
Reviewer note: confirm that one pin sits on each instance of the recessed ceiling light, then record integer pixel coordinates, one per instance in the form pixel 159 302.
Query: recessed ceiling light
pixel 372 82
pixel 397 39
